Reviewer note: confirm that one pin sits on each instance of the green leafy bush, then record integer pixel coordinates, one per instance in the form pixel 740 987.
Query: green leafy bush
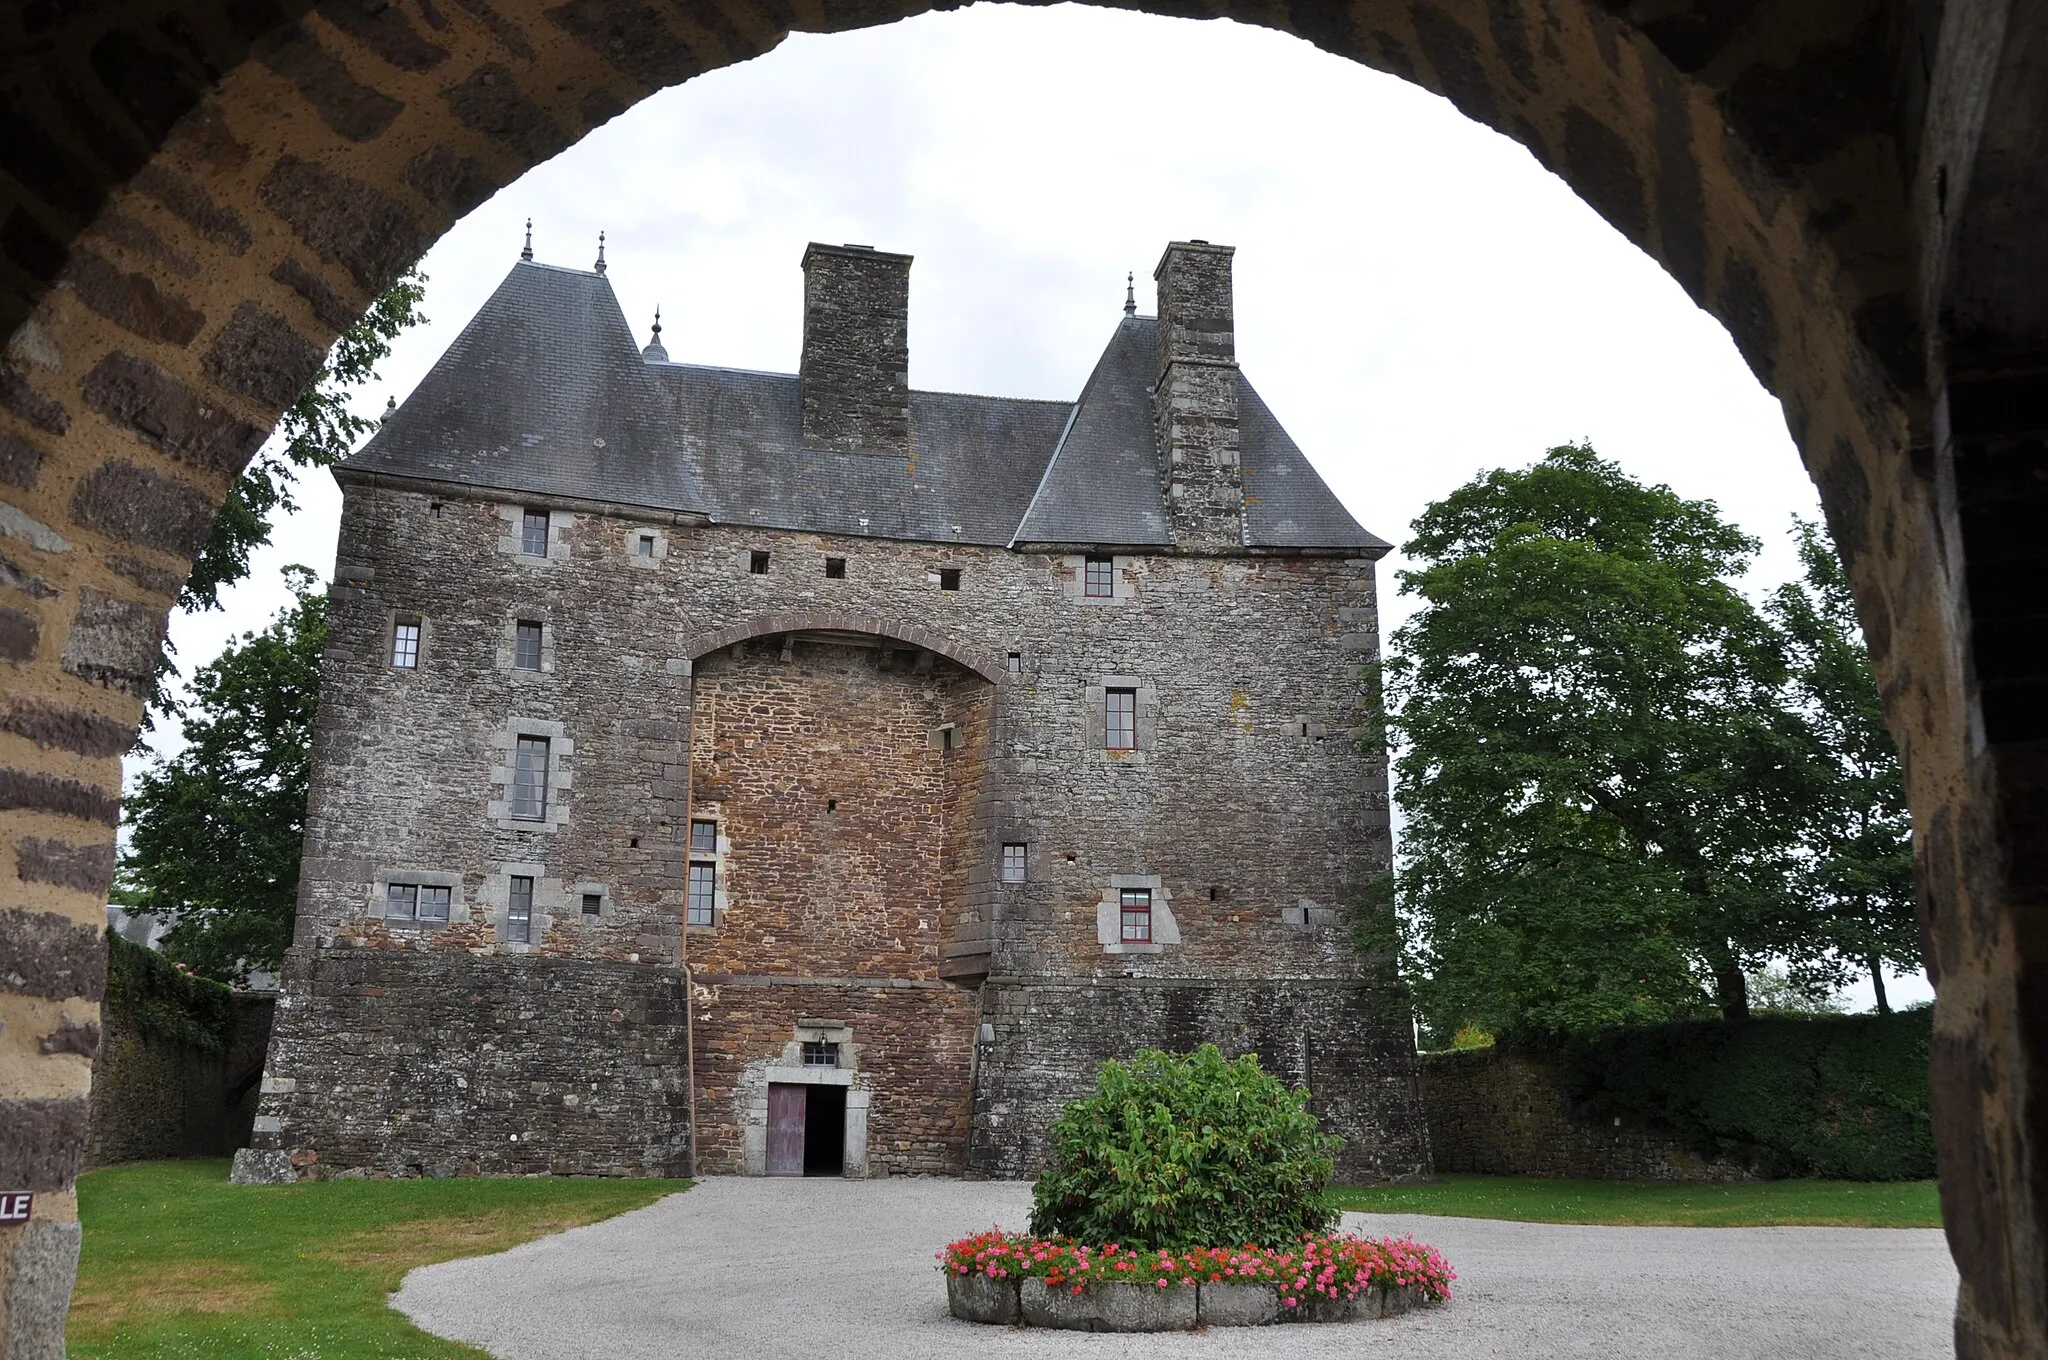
pixel 1840 1097
pixel 164 1001
pixel 1180 1151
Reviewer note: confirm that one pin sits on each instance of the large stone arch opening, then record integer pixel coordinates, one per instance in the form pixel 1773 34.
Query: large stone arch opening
pixel 199 196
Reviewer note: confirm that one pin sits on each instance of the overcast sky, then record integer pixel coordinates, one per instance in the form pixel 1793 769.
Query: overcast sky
pixel 1417 299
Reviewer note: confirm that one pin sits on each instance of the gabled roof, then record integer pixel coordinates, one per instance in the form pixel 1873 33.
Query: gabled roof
pixel 545 392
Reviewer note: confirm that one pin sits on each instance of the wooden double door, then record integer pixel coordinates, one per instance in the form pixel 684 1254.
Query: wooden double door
pixel 806 1129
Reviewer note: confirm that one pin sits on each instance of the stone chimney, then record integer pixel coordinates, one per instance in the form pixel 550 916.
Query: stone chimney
pixel 1195 404
pixel 855 374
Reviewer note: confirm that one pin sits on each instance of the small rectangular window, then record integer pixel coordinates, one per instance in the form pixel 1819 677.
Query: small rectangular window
pixel 405 642
pixel 757 563
pixel 703 893
pixel 526 645
pixel 402 901
pixel 1014 663
pixel 434 903
pixel 530 779
pixel 949 578
pixel 533 532
pixel 1013 862
pixel 818 1053
pixel 703 838
pixel 1099 579
pixel 1120 719
pixel 835 569
pixel 647 545
pixel 1137 914
pixel 593 903
pixel 519 911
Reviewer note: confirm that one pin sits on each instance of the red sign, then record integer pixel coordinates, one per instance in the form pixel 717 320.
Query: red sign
pixel 14 1206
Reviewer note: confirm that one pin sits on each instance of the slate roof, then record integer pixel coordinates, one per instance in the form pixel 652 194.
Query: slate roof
pixel 545 392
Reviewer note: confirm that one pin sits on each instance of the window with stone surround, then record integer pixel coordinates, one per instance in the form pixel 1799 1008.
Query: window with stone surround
pixel 526 636
pixel 530 779
pixel 1099 581
pixel 1137 915
pixel 819 1053
pixel 533 532
pixel 835 569
pixel 405 642
pixel 703 893
pixel 1120 719
pixel 417 902
pixel 1013 861
pixel 647 545
pixel 519 910
pixel 757 563
pixel 949 578
pixel 593 904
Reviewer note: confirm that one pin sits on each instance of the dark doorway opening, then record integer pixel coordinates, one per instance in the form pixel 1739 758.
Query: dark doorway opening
pixel 825 1132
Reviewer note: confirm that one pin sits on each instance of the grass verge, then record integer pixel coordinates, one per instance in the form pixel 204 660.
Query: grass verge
pixel 178 1263
pixel 1742 1204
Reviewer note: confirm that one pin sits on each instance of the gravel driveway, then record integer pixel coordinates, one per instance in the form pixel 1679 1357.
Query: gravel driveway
pixel 743 1269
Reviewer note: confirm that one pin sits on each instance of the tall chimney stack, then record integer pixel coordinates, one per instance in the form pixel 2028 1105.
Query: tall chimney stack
pixel 855 375
pixel 1195 403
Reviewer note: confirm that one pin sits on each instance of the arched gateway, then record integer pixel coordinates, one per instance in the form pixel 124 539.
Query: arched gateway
pixel 198 197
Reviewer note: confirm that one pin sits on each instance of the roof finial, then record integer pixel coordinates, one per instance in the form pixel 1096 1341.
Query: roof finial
pixel 654 353
pixel 1130 294
pixel 527 253
pixel 600 252
pixel 390 409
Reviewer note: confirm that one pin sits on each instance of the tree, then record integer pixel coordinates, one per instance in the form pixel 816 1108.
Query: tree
pixel 1599 777
pixel 215 831
pixel 317 430
pixel 1859 834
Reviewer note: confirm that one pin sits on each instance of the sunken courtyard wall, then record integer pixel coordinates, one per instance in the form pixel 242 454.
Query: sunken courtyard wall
pixel 1250 808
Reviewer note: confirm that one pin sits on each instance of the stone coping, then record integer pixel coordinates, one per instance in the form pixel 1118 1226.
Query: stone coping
pixel 1141 1308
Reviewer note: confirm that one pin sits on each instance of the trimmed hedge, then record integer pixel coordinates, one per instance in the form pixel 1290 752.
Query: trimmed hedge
pixel 1838 1097
pixel 164 1002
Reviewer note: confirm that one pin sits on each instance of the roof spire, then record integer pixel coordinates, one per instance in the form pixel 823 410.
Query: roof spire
pixel 1130 294
pixel 600 252
pixel 654 353
pixel 527 253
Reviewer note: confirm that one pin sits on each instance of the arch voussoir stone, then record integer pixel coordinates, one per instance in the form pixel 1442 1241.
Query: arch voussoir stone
pixel 838 621
pixel 196 198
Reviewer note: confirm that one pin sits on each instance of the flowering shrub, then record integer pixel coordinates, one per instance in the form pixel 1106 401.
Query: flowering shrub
pixel 1331 1266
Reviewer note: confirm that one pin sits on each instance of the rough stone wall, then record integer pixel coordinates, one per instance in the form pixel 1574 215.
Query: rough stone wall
pixel 1326 1035
pixel 855 370
pixel 154 1098
pixel 698 686
pixel 910 1048
pixel 1195 401
pixel 440 1062
pixel 1495 1114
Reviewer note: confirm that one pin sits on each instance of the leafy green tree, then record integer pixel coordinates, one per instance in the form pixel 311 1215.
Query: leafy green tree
pixel 1859 834
pixel 215 831
pixel 1600 779
pixel 317 430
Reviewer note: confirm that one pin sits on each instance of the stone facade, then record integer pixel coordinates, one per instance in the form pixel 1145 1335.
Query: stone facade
pixel 858 727
pixel 154 1098
pixel 1504 1114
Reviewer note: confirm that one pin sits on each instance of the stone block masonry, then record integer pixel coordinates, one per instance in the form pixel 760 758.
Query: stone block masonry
pixel 1329 1036
pixel 441 1063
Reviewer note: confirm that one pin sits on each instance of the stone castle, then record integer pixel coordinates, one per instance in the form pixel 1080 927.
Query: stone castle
pixel 735 772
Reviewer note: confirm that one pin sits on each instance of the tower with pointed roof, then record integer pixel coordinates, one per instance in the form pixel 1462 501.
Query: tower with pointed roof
pixel 785 773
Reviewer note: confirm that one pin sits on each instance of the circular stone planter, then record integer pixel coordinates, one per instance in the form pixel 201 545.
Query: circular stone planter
pixel 1141 1308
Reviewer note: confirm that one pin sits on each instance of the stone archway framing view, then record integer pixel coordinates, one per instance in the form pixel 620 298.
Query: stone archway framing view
pixel 200 196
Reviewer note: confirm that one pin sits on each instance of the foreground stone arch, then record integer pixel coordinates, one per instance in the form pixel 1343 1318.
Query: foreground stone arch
pixel 196 197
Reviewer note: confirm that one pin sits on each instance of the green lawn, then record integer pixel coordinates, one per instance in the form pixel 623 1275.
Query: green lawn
pixel 177 1262
pixel 1746 1204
